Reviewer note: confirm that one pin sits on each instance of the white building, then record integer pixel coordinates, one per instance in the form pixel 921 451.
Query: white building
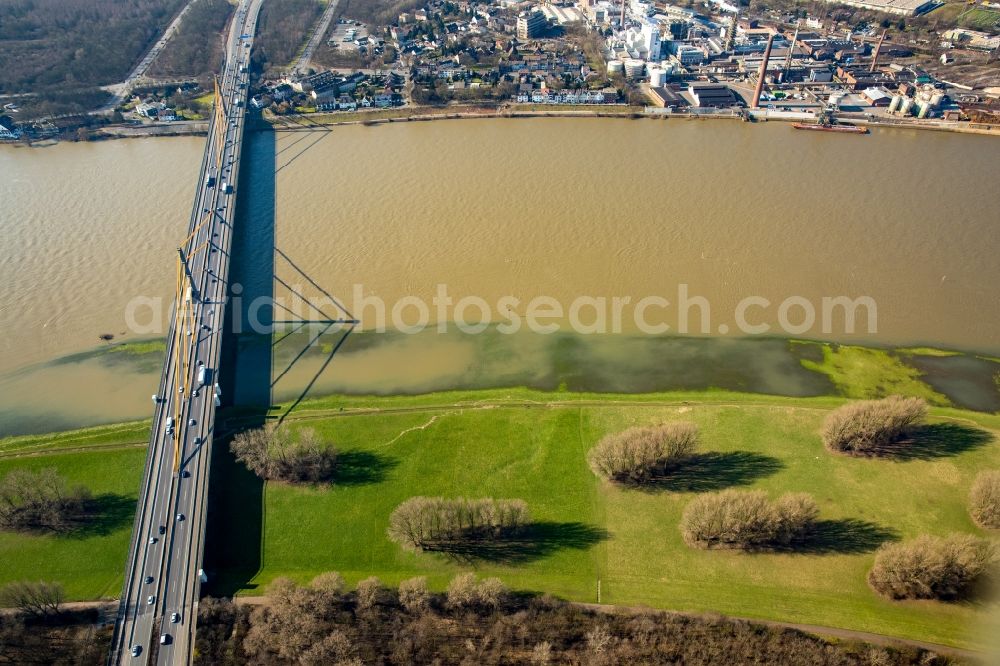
pixel 643 42
pixel 973 39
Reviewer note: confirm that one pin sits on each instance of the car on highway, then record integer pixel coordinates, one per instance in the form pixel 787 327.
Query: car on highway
pixel 175 618
pixel 152 540
pixel 149 579
pixel 163 529
pixel 164 639
pixel 180 517
pixel 150 600
pixel 136 650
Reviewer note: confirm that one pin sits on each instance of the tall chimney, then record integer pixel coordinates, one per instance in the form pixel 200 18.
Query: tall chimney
pixel 731 32
pixel 878 49
pixel 788 57
pixel 622 22
pixel 763 72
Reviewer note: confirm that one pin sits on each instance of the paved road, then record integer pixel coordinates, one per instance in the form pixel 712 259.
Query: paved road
pixel 120 90
pixel 302 64
pixel 160 596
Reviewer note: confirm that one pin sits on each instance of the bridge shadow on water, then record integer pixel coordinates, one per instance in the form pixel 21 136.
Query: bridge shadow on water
pixel 258 324
pixel 235 524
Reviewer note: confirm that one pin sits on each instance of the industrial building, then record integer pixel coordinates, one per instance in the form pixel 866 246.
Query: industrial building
pixel 876 96
pixel 664 96
pixel 687 54
pixel 712 95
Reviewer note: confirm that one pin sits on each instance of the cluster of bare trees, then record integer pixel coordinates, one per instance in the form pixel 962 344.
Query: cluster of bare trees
pixel 467 591
pixel 868 427
pixel 747 519
pixel 479 622
pixel 197 46
pixel 639 454
pixel 283 29
pixel 55 43
pixel 40 500
pixel 929 567
pixel 294 626
pixel 984 500
pixel 280 454
pixel 433 522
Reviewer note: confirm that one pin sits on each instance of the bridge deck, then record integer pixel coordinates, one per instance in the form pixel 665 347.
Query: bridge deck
pixel 162 583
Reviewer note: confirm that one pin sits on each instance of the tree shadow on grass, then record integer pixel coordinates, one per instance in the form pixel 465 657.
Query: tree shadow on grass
pixel 714 471
pixel 533 542
pixel 848 536
pixel 102 515
pixel 936 440
pixel 356 468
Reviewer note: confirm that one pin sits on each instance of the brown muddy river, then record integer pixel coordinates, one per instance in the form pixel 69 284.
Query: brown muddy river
pixel 564 208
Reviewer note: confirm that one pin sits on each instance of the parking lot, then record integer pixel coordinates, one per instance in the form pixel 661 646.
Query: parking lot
pixel 348 35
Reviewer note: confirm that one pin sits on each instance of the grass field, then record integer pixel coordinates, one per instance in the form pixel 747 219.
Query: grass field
pixel 979 19
pixel 531 445
pixel 864 372
pixel 89 563
pixel 589 536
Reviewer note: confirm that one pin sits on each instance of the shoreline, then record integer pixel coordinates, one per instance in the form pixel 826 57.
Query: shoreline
pixel 809 369
pixel 629 113
pixel 319 120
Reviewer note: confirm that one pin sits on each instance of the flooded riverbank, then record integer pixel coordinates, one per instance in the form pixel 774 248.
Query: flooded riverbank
pixel 114 383
pixel 563 208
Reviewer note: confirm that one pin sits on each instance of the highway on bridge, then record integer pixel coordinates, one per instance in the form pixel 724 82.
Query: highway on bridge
pixel 158 608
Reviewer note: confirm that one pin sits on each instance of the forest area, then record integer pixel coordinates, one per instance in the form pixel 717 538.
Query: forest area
pixel 283 30
pixel 196 49
pixel 63 50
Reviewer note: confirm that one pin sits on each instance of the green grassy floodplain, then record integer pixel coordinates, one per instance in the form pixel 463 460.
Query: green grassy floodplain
pixel 531 444
pixel 89 564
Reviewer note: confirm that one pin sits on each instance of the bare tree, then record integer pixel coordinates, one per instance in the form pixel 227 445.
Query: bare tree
pixel 931 567
pixel 330 583
pixel 869 426
pixel 37 599
pixel 414 595
pixel 541 654
pixel 368 593
pixel 435 522
pixel 462 591
pixel 274 452
pixel 984 500
pixel 492 593
pixel 638 454
pixel 335 648
pixel 40 500
pixel 747 519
